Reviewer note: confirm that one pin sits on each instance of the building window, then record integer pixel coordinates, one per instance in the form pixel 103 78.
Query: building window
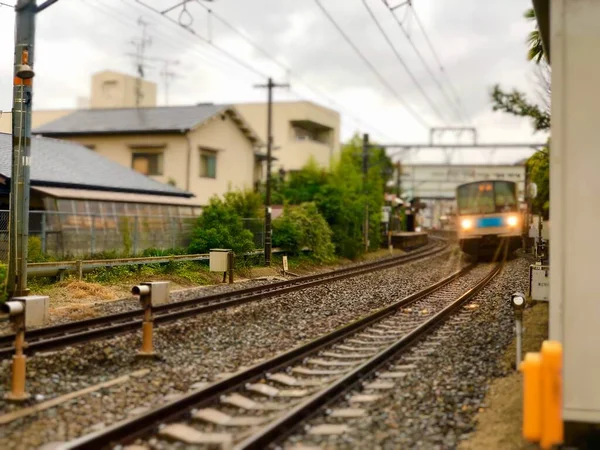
pixel 208 163
pixel 148 163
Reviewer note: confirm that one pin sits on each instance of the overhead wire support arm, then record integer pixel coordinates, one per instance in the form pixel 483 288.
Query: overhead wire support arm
pixel 45 5
pixel 371 66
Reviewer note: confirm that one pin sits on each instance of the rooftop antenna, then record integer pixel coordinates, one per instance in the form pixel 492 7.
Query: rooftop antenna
pixel 140 59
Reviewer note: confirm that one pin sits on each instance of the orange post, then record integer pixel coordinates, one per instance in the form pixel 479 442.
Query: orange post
pixel 17 390
pixel 532 396
pixel 552 424
pixel 147 329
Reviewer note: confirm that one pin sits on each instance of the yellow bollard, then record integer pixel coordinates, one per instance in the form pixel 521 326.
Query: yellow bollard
pixel 531 368
pixel 551 381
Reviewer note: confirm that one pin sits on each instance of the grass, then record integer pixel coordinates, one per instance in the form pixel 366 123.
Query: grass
pixel 499 425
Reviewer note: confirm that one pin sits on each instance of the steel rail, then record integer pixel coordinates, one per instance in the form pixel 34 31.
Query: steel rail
pixel 128 430
pixel 284 426
pixel 58 336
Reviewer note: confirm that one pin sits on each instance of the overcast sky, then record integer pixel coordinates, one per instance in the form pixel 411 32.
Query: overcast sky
pixel 478 46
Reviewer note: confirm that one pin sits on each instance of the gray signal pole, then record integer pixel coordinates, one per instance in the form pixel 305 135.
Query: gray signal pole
pixel 365 171
pixel 268 243
pixel 21 146
pixel 25 12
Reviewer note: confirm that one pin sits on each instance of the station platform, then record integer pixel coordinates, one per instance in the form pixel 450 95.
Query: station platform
pixel 409 240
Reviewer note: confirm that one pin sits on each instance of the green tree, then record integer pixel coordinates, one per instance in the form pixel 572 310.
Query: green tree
pixel 516 103
pixel 304 227
pixel 534 40
pixel 247 203
pixel 220 226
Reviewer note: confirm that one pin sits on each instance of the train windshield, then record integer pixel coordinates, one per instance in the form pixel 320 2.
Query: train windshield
pixel 487 198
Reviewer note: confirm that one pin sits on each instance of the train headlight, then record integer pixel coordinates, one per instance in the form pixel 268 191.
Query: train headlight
pixel 466 224
pixel 512 221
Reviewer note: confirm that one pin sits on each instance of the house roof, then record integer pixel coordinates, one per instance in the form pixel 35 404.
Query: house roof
pixel 66 164
pixel 168 119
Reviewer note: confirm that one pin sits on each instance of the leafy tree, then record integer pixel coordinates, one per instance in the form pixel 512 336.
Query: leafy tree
pixel 220 226
pixel 517 104
pixel 536 49
pixel 304 227
pixel 248 204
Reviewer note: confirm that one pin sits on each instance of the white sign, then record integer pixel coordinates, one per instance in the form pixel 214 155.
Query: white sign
pixel 285 264
pixel 539 283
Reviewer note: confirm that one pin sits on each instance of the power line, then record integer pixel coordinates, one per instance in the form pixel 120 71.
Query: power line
pixel 453 104
pixel 439 63
pixel 393 47
pixel 221 50
pixel 370 65
pixel 288 70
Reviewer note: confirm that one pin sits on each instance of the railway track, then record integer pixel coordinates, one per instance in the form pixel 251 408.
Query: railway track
pixel 58 336
pixel 262 405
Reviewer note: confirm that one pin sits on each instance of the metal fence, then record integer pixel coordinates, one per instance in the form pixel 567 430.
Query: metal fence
pixel 67 235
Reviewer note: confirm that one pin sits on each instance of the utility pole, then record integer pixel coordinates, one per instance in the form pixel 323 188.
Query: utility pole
pixel 270 86
pixel 399 178
pixel 21 146
pixel 365 171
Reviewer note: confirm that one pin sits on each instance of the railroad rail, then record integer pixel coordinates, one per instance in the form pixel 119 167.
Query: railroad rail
pixel 57 336
pixel 298 383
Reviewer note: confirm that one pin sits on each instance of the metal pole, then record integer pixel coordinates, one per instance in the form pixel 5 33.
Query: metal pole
pixel 519 328
pixel 268 231
pixel 365 170
pixel 21 146
pixel 269 156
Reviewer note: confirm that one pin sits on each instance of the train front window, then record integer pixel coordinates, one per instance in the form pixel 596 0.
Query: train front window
pixel 506 199
pixel 476 198
pixel 486 198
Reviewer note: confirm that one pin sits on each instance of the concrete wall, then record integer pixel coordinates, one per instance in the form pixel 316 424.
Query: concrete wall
pixel 181 156
pixel 293 153
pixel 575 211
pixel 38 118
pixel 117 90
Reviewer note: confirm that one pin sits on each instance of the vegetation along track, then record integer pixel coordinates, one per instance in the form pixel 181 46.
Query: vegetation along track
pixel 262 405
pixel 57 336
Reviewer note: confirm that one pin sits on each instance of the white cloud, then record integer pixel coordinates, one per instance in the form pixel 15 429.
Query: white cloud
pixel 478 47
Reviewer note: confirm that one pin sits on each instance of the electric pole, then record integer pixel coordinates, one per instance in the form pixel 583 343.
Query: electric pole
pixel 365 171
pixel 166 76
pixel 21 147
pixel 270 86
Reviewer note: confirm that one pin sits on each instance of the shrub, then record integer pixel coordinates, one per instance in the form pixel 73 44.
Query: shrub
pixel 34 249
pixel 220 226
pixel 302 227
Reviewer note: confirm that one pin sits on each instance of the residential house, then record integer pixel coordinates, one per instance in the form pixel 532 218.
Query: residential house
pixel 81 202
pixel 301 130
pixel 205 149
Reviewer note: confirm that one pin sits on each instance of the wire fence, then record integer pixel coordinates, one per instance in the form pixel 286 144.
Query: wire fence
pixel 67 235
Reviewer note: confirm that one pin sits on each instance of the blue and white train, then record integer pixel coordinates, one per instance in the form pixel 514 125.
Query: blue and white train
pixel 489 221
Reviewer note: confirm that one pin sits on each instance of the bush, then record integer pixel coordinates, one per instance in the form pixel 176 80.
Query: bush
pixel 220 226
pixel 302 227
pixel 34 249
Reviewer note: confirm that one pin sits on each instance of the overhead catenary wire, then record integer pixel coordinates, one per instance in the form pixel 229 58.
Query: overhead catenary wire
pixel 439 63
pixel 454 104
pixel 403 63
pixel 380 77
pixel 288 70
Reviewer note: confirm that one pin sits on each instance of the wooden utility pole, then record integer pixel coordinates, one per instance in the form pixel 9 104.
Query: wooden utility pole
pixel 268 232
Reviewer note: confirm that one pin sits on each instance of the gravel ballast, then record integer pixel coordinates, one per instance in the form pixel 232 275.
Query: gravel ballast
pixel 197 350
pixel 435 405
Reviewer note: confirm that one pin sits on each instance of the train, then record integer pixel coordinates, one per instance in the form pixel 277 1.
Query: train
pixel 489 219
